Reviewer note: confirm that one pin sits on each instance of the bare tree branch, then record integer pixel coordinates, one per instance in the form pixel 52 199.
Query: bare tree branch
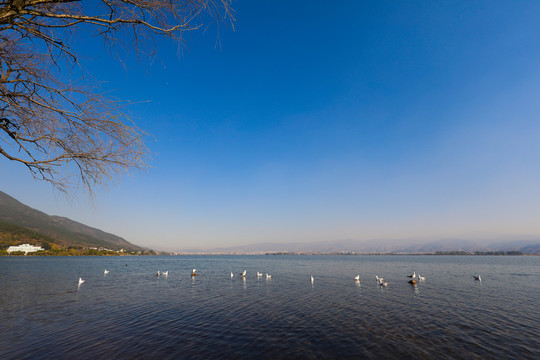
pixel 67 133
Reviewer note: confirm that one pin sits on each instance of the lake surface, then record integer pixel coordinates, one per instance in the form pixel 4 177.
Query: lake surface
pixel 130 313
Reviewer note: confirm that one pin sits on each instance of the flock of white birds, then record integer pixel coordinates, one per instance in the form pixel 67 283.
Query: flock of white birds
pixel 380 280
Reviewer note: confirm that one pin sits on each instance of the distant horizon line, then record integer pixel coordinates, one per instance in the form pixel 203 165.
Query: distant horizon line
pixel 352 253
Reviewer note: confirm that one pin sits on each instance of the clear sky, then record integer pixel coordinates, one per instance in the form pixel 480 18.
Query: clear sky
pixel 326 120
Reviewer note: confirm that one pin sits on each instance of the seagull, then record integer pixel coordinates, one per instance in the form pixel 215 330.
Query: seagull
pixel 81 281
pixel 379 280
pixel 412 276
pixel 243 274
pixel 105 272
pixel 268 276
pixel 357 278
pixel 312 279
pixel 166 273
pixel 259 274
pixel 421 278
pixel 158 273
pixel 477 278
pixel 232 275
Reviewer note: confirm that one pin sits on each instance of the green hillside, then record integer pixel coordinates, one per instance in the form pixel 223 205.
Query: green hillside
pixel 11 234
pixel 59 230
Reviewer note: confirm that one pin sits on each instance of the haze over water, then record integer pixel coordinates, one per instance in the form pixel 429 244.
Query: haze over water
pixel 130 313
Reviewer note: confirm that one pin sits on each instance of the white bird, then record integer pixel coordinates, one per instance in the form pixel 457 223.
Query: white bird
pixel 412 276
pixel 232 275
pixel 477 278
pixel 268 276
pixel 379 280
pixel 81 281
pixel 357 278
pixel 105 272
pixel 421 278
pixel 259 274
pixel 158 273
pixel 243 274
pixel 166 273
pixel 312 279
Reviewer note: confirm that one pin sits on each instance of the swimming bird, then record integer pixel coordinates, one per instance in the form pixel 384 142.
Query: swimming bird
pixel 412 282
pixel 105 272
pixel 477 278
pixel 268 276
pixel 259 274
pixel 158 273
pixel 412 276
pixel 379 280
pixel 357 278
pixel 383 284
pixel 421 278
pixel 193 273
pixel 232 275
pixel 243 274
pixel 81 281
pixel 312 279
pixel 166 273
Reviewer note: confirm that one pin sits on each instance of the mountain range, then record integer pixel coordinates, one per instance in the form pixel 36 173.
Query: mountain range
pixel 19 221
pixel 528 245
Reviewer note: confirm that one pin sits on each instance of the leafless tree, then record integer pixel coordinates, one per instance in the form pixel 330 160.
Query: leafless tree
pixel 65 131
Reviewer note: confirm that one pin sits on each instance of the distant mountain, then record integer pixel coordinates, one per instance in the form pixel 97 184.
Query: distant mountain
pixel 531 246
pixel 531 249
pixel 61 230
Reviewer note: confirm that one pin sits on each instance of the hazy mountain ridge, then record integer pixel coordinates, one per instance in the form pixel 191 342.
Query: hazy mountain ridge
pixel 531 246
pixel 64 231
pixel 67 232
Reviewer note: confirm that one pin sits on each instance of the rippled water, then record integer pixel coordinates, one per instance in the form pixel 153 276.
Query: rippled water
pixel 131 314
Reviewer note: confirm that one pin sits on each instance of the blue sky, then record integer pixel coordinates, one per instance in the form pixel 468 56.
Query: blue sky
pixel 355 120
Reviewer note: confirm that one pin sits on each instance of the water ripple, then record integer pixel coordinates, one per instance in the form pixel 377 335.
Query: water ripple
pixel 132 314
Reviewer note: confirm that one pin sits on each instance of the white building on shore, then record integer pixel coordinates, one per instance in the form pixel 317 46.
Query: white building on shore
pixel 24 247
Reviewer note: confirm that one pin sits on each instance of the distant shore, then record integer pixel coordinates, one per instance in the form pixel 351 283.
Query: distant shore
pixel 280 253
pixel 439 253
pixel 82 252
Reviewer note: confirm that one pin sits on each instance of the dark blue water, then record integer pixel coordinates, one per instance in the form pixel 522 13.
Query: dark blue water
pixel 131 314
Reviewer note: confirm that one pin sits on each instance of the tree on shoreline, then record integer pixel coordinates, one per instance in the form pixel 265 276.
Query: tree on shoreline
pixel 64 131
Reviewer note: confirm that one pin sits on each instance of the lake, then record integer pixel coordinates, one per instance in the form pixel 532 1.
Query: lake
pixel 130 313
